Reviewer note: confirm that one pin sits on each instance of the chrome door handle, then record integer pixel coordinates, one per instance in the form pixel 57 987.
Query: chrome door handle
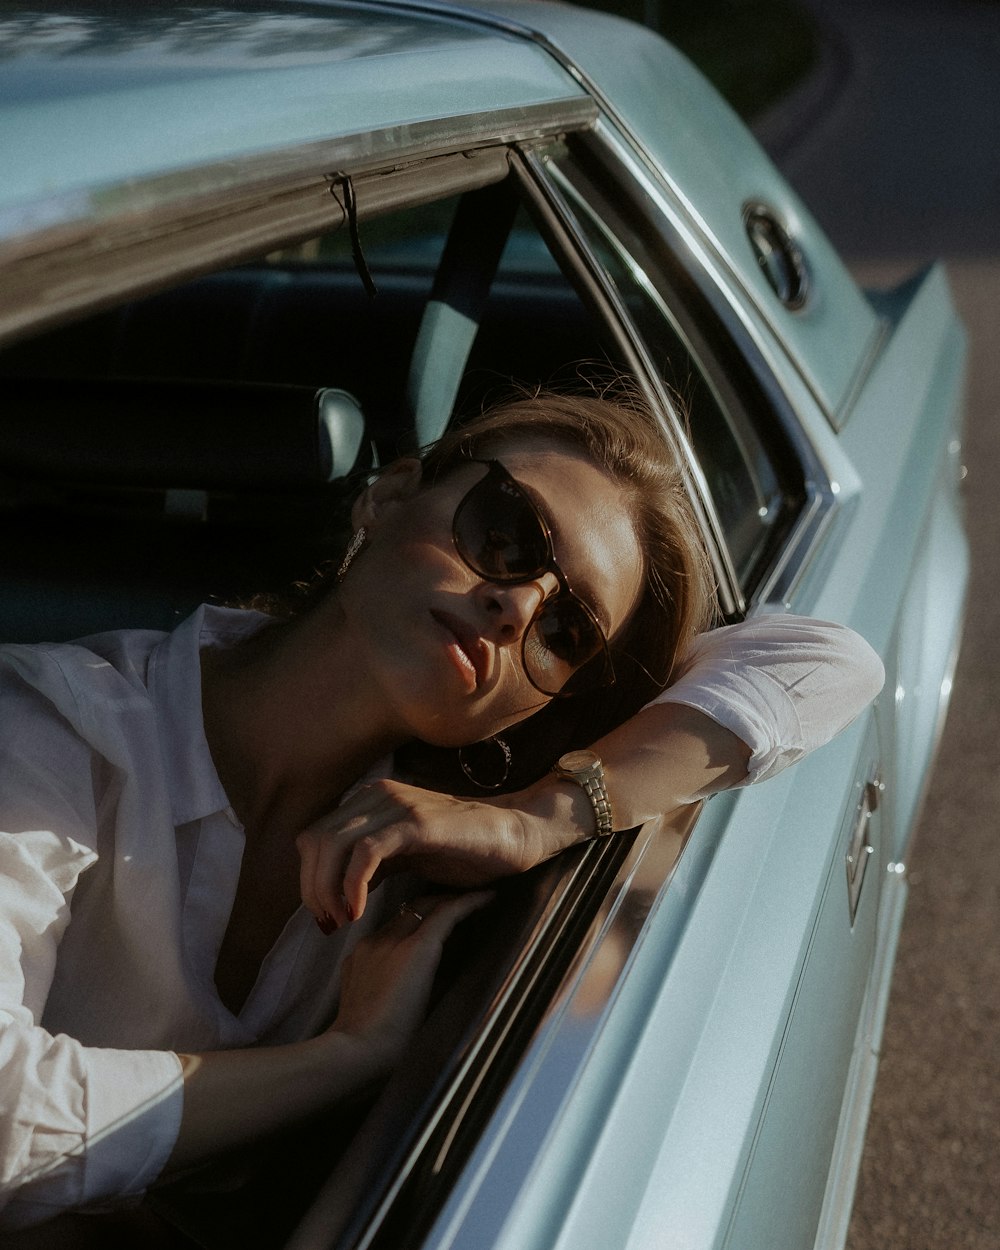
pixel 860 848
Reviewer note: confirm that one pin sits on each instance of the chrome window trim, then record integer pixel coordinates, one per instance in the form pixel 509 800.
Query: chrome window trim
pixel 91 248
pixel 540 183
pixel 642 281
pixel 638 881
pixel 820 490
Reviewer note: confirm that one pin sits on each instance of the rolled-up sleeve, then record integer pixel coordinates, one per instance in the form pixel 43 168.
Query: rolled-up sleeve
pixel 782 684
pixel 77 1124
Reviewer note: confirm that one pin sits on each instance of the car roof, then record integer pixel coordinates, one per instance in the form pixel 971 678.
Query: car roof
pixel 114 94
pixel 96 102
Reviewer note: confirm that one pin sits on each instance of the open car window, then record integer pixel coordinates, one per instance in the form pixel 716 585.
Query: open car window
pixel 202 441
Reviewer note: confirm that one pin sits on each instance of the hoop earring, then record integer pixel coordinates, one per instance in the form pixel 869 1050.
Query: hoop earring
pixel 493 772
pixel 355 545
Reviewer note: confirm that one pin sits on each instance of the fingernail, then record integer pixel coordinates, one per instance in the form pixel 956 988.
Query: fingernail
pixel 350 911
pixel 327 924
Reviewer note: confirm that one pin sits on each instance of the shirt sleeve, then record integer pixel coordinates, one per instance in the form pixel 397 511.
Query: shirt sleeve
pixel 783 684
pixel 78 1125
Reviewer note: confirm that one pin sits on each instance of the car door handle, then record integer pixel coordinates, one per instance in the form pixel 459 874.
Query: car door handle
pixel 860 849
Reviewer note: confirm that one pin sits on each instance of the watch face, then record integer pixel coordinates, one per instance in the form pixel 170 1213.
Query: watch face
pixel 577 761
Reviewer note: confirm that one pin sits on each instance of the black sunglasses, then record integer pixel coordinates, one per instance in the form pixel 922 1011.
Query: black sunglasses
pixel 501 535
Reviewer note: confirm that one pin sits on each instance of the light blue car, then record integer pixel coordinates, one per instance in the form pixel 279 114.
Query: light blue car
pixel 674 1043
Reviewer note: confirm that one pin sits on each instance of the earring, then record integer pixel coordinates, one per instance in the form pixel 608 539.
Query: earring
pixel 491 759
pixel 356 543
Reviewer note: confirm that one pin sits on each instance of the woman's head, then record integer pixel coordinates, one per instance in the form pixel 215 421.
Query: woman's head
pixel 587 488
pixel 619 436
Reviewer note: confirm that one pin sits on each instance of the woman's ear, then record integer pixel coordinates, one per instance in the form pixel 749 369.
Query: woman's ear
pixel 395 484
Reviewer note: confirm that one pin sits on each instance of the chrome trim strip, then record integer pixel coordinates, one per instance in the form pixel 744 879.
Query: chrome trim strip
pixel 540 184
pixel 641 875
pixel 354 153
pixel 820 504
pixel 97 246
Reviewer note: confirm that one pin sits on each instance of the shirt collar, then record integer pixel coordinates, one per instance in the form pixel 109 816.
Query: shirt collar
pixel 174 684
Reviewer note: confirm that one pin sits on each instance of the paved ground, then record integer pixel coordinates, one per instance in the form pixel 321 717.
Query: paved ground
pixel 895 146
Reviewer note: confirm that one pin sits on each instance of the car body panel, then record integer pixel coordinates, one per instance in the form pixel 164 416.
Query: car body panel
pixel 96 103
pixel 717 1026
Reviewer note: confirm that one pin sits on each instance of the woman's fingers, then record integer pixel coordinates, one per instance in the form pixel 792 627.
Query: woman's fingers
pixel 338 862
pixel 387 978
pixel 435 915
pixel 365 858
pixel 318 857
pixel 341 853
pixel 389 825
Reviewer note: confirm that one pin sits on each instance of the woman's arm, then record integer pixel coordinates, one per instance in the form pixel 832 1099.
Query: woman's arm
pixel 233 1098
pixel 78 1124
pixel 88 1124
pixel 752 699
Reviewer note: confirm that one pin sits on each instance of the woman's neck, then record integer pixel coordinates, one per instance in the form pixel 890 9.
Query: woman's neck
pixel 291 722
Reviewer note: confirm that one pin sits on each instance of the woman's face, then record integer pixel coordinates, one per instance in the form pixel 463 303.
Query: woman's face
pixel 443 645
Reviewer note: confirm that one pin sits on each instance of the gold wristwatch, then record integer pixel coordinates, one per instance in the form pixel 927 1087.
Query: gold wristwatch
pixel 586 770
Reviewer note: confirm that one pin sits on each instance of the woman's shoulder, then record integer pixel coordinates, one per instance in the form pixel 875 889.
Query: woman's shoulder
pixel 72 674
pixel 781 639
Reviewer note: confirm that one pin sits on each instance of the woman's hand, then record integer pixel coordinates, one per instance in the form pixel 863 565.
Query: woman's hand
pixel 385 986
pixel 389 826
pixel 385 982
pixel 666 756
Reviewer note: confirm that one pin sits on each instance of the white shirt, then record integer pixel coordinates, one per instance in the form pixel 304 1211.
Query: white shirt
pixel 783 684
pixel 119 867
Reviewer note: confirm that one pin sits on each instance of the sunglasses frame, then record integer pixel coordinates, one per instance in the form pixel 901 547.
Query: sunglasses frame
pixel 498 473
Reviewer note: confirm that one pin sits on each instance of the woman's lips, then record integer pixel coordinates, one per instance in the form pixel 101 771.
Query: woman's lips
pixel 472 650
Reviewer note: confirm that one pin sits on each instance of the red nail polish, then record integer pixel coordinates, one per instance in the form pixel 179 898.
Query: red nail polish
pixel 326 923
pixel 350 911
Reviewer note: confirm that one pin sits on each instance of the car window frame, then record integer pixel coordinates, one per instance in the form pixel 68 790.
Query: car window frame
pixel 730 336
pixel 735 329
pixel 77 252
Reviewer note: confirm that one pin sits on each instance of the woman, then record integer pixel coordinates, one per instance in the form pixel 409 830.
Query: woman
pixel 729 707
pixel 172 802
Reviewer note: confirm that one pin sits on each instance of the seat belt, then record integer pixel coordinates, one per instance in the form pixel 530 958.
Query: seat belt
pixel 451 317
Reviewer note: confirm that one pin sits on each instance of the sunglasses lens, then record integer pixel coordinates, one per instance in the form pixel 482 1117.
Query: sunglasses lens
pixel 498 534
pixel 562 639
pixel 501 536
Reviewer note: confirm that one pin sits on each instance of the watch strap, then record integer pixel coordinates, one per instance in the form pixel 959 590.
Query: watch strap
pixel 591 781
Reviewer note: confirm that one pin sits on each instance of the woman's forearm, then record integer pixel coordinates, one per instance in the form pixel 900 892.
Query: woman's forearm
pixel 664 757
pixel 235 1097
pixel 784 684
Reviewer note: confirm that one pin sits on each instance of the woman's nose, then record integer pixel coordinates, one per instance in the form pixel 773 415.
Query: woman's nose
pixel 511 608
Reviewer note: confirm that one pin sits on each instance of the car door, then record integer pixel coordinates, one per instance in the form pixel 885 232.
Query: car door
pixel 721 1100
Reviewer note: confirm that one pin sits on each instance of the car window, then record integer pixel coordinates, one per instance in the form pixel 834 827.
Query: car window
pixel 746 468
pixel 233 358
pixel 137 523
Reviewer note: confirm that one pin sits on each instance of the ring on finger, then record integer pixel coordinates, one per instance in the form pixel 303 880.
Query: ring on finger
pixel 407 909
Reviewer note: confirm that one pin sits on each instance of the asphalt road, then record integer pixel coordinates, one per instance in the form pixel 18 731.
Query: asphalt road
pixel 895 146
